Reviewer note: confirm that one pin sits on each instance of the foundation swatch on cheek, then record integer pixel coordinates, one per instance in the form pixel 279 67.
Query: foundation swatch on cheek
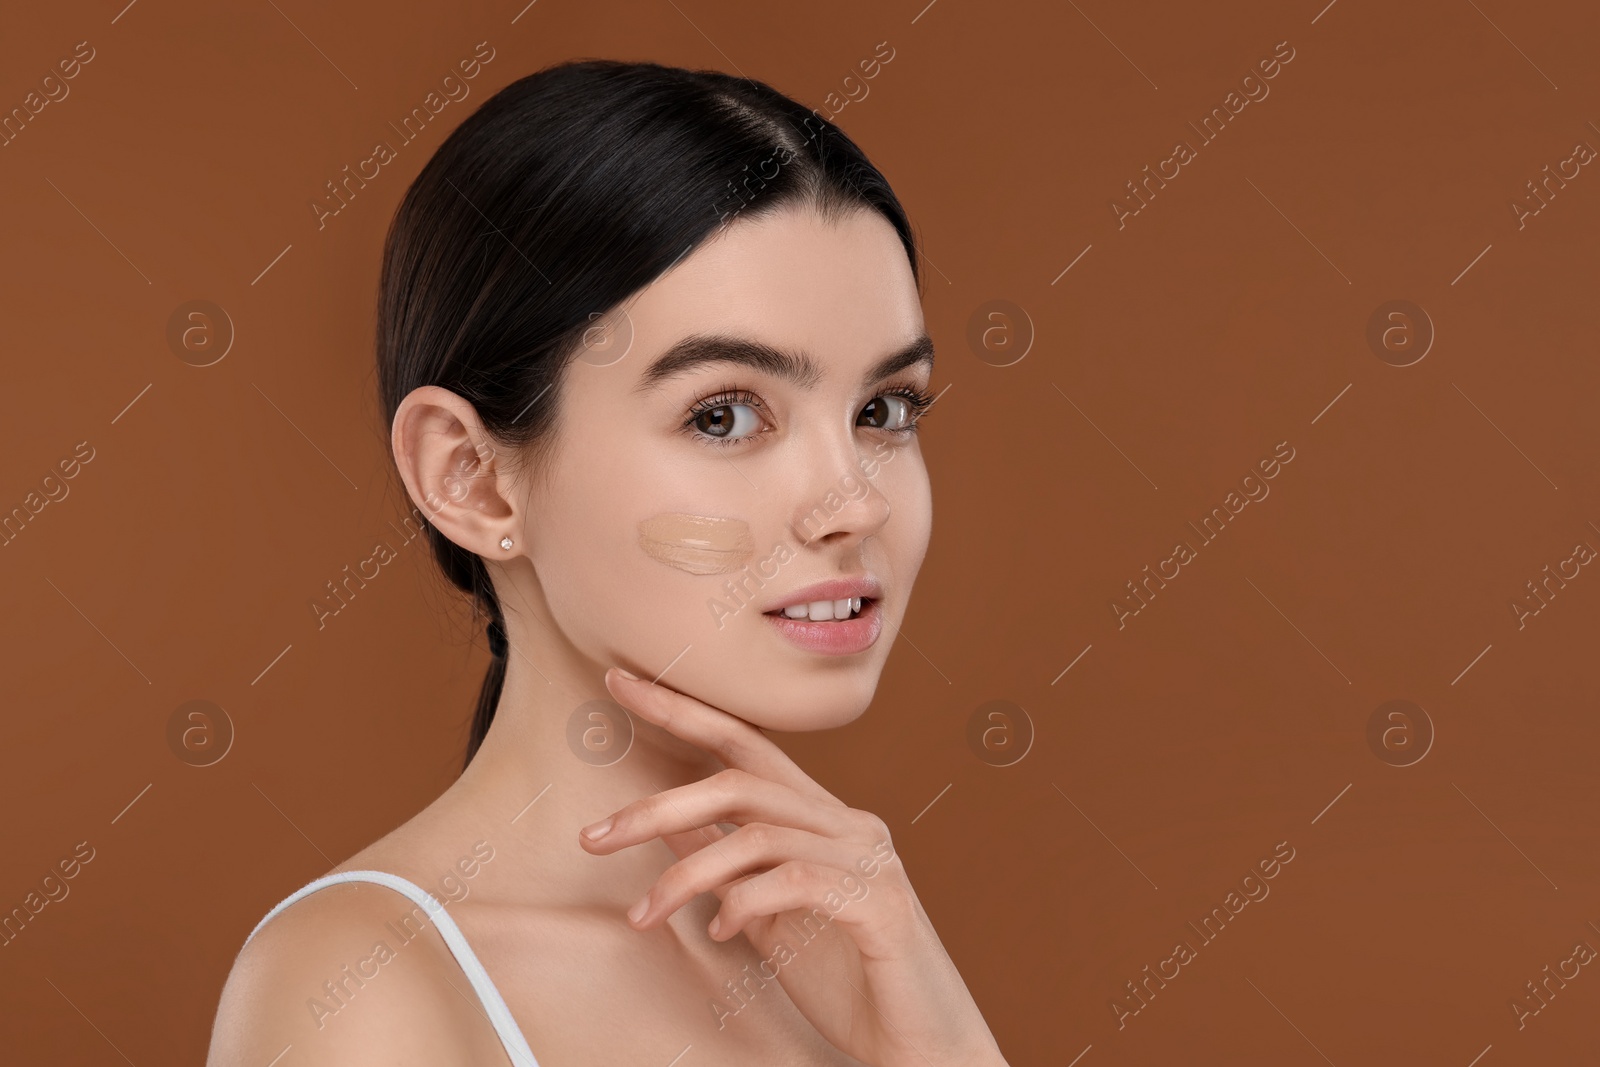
pixel 698 544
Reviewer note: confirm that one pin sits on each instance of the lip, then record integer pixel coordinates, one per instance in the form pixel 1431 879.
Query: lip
pixel 838 637
pixel 864 586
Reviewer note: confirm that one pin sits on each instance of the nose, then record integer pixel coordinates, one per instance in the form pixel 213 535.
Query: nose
pixel 839 504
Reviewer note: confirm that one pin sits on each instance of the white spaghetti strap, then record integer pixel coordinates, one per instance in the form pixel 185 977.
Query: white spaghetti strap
pixel 494 1004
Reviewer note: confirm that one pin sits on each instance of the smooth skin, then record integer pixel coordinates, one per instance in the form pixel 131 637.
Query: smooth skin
pixel 732 848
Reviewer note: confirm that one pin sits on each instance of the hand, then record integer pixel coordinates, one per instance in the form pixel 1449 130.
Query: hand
pixel 813 884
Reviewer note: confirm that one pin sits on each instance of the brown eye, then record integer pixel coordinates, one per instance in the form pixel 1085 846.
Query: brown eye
pixel 886 413
pixel 727 420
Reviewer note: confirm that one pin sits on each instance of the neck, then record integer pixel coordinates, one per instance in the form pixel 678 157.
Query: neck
pixel 558 757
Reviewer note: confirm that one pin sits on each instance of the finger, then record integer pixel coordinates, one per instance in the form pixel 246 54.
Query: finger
pixel 732 740
pixel 691 841
pixel 748 851
pixel 733 796
pixel 872 911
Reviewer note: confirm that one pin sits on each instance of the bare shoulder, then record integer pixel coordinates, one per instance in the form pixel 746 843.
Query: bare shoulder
pixel 353 973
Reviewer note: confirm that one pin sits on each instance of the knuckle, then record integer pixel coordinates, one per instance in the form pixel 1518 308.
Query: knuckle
pixel 730 778
pixel 732 784
pixel 902 896
pixel 760 837
pixel 798 875
pixel 898 902
pixel 869 826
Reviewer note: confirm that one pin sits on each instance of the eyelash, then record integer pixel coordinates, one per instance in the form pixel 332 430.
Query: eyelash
pixel 919 401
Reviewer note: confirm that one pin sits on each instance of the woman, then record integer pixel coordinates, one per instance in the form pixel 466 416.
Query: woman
pixel 651 346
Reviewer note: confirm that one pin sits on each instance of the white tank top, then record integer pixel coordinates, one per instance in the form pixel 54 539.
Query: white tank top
pixel 494 1004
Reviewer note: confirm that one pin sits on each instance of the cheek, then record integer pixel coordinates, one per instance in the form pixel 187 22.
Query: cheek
pixel 904 483
pixel 627 565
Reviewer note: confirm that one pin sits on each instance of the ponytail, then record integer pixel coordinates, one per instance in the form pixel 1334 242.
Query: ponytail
pixel 493 682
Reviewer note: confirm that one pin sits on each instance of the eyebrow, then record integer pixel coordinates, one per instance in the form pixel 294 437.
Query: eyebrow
pixel 799 367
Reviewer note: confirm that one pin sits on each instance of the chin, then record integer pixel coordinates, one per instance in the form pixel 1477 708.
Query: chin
pixel 807 699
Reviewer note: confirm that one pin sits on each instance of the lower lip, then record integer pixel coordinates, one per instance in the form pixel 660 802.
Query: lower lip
pixel 840 638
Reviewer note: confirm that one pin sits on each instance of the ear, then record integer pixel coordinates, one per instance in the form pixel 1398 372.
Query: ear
pixel 452 471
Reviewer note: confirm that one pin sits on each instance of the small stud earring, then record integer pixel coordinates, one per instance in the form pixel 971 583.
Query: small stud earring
pixel 505 543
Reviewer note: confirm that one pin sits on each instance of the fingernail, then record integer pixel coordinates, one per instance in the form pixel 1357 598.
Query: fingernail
pixel 636 912
pixel 716 924
pixel 626 674
pixel 598 830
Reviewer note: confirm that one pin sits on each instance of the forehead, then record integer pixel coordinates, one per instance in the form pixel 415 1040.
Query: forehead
pixel 841 289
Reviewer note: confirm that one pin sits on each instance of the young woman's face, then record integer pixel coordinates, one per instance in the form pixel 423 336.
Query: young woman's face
pixel 696 490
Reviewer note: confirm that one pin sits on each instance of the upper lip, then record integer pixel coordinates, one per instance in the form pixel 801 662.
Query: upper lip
pixel 865 586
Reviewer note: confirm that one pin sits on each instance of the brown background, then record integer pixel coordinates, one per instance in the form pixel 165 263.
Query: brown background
pixel 1228 315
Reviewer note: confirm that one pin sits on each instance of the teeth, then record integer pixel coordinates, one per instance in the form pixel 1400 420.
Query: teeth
pixel 824 610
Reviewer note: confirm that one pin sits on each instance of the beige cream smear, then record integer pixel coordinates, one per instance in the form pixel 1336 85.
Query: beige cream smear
pixel 698 544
